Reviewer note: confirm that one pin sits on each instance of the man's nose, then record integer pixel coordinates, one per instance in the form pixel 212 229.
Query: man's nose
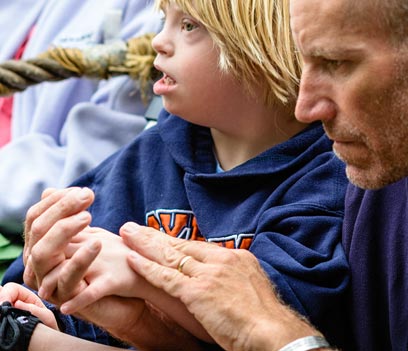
pixel 314 100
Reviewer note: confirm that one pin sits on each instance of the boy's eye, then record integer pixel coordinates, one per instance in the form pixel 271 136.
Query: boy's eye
pixel 188 26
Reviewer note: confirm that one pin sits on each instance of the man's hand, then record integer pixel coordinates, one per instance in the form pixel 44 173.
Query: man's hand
pixel 226 290
pixel 49 228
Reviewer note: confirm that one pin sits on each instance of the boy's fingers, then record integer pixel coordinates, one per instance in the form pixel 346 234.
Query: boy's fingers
pixel 49 283
pixel 86 297
pixel 75 269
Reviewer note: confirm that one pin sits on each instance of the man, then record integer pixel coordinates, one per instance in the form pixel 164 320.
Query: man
pixel 354 80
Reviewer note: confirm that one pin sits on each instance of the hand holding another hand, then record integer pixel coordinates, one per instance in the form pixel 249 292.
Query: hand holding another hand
pixel 226 290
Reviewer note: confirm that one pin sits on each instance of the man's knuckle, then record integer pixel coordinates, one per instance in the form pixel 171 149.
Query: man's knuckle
pixel 190 295
pixel 63 226
pixel 144 240
pixel 167 276
pixel 171 256
pixel 32 214
pixel 37 226
pixel 37 255
pixel 228 256
pixel 65 205
pixel 245 254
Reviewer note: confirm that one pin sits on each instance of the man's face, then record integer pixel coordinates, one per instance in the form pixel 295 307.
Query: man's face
pixel 354 81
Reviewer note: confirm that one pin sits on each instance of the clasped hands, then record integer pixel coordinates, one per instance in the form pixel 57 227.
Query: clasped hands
pixel 144 277
pixel 85 270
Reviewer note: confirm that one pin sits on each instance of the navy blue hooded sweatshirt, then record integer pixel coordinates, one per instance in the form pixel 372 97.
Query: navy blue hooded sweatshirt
pixel 286 206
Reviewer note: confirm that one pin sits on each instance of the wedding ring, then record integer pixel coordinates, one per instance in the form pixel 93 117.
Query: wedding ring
pixel 182 263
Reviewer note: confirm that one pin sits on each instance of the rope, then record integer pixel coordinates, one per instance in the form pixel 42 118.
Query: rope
pixel 134 58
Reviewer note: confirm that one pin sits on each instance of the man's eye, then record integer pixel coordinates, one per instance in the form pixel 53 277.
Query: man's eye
pixel 333 65
pixel 188 26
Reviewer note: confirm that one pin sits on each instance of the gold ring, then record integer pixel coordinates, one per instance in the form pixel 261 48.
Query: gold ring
pixel 182 263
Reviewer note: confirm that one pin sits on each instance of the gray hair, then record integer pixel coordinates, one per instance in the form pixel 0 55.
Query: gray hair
pixel 396 16
pixel 390 15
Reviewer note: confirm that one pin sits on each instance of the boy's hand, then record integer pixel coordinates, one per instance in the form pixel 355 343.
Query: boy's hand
pixel 24 299
pixel 98 268
pixel 89 278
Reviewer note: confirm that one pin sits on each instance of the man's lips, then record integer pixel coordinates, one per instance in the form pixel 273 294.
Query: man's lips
pixel 348 147
pixel 342 141
pixel 341 138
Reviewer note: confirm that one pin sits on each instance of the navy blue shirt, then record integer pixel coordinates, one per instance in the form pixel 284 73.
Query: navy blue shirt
pixel 376 243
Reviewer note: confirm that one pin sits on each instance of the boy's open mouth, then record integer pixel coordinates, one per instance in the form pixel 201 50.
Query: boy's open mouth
pixel 168 80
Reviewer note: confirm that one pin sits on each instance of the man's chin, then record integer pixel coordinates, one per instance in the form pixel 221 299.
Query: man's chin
pixel 370 178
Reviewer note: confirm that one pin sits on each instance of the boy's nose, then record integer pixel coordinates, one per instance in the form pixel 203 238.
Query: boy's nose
pixel 161 44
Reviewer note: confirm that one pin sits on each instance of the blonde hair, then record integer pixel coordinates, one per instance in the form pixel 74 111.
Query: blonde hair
pixel 254 40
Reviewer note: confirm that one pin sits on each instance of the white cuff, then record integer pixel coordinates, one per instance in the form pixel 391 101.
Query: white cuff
pixel 306 344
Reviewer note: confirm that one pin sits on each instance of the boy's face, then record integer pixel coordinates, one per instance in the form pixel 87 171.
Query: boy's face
pixel 192 86
pixel 354 80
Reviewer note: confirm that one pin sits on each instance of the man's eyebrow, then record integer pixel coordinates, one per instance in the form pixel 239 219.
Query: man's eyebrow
pixel 333 52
